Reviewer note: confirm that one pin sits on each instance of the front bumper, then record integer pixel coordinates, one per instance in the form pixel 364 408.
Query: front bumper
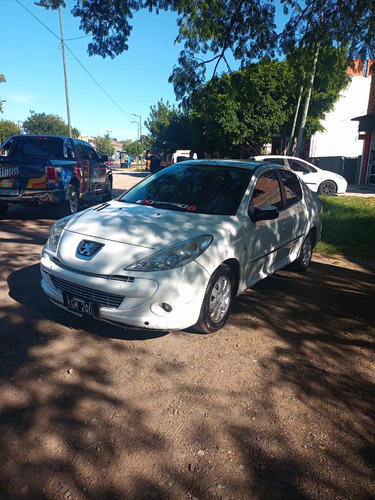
pixel 164 300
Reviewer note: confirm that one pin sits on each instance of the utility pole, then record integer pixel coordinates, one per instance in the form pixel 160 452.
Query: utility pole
pixel 46 5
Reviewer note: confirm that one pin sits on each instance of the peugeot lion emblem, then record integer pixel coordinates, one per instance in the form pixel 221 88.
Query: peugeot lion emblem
pixel 87 249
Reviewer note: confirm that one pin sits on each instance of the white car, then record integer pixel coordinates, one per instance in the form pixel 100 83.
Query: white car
pixel 182 155
pixel 175 249
pixel 319 180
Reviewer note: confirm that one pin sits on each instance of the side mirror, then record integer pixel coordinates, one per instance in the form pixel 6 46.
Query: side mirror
pixel 268 212
pixel 104 158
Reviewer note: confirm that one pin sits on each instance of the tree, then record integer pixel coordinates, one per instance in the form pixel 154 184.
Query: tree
pixel 41 123
pixel 133 148
pixel 318 89
pixel 349 23
pixel 8 128
pixel 104 146
pixel 209 31
pixel 169 127
pixel 237 114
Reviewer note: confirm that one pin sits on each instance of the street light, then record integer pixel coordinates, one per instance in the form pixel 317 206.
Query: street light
pixel 45 4
pixel 140 126
pixel 138 129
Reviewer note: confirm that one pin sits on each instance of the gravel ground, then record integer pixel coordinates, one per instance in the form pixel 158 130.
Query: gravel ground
pixel 277 405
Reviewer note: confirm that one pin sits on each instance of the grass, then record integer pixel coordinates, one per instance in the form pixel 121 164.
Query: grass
pixel 348 226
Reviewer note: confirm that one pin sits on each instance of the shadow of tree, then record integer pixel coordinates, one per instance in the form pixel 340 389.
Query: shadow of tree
pixel 279 404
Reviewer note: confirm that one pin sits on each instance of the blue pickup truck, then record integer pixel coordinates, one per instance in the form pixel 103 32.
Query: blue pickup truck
pixel 63 171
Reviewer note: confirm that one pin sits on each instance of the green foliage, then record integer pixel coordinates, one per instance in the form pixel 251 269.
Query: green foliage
pixel 348 226
pixel 330 79
pixel 349 23
pixel 8 128
pixel 41 123
pixel 104 146
pixel 133 148
pixel 169 128
pixel 238 113
pixel 209 31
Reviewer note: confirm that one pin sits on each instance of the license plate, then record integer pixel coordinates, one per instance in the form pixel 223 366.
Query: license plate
pixel 78 305
pixel 9 192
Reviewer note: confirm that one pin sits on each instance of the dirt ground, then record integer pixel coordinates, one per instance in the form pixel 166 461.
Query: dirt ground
pixel 279 404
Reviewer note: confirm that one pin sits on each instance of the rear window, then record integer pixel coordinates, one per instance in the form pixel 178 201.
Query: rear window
pixel 45 147
pixel 204 189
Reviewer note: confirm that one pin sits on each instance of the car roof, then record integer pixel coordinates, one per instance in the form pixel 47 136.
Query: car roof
pixel 247 164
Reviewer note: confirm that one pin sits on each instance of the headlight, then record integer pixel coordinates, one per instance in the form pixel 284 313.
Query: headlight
pixel 175 256
pixel 56 231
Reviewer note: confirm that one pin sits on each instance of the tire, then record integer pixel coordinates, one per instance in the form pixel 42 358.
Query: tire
pixel 217 301
pixel 327 188
pixel 71 204
pixel 107 196
pixel 303 260
pixel 3 208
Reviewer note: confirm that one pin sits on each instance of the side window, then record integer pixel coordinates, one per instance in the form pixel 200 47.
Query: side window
pixel 92 154
pixel 266 192
pixel 297 166
pixel 82 151
pixel 293 191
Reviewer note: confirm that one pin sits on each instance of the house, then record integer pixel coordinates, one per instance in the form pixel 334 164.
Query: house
pixel 342 145
pixel 366 131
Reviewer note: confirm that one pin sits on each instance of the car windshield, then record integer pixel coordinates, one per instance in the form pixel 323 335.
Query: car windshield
pixel 197 188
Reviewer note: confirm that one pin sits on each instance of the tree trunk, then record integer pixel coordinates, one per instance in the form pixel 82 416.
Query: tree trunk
pixel 291 141
pixel 307 103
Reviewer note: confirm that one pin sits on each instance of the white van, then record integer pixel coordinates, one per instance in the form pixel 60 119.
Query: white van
pixel 181 155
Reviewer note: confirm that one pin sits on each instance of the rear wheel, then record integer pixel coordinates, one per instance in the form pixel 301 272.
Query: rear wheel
pixel 107 196
pixel 3 208
pixel 71 204
pixel 327 188
pixel 217 301
pixel 304 258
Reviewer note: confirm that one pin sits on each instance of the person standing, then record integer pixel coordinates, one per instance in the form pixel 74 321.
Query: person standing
pixel 155 160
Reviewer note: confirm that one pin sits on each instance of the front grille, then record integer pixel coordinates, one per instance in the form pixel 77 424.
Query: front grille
pixel 102 298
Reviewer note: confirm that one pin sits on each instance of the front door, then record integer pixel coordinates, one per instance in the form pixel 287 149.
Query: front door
pixel 266 239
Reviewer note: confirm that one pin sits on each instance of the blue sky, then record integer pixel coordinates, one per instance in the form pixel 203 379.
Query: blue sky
pixel 31 62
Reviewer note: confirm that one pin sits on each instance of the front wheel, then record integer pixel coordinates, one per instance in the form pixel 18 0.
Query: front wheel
pixel 327 188
pixel 303 260
pixel 217 301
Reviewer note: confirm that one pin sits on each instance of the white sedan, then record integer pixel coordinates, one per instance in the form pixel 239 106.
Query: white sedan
pixel 174 250
pixel 320 181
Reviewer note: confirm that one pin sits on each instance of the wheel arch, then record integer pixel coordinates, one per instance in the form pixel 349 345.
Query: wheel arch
pixel 234 266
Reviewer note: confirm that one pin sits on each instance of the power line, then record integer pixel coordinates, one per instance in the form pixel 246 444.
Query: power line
pixel 79 62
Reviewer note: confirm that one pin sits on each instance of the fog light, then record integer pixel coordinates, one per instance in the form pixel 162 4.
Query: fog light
pixel 167 307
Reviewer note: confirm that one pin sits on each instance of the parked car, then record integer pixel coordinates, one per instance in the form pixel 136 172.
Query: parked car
pixel 182 155
pixel 52 169
pixel 175 250
pixel 319 180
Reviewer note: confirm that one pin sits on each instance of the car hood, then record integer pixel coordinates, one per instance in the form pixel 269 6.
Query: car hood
pixel 129 232
pixel 141 225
